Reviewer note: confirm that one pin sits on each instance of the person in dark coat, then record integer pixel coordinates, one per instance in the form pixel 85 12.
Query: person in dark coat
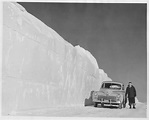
pixel 131 94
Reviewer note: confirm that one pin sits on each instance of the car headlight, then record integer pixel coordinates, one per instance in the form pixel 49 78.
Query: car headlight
pixel 95 94
pixel 118 96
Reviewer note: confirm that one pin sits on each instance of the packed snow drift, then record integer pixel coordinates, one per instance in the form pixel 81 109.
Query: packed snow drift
pixel 39 68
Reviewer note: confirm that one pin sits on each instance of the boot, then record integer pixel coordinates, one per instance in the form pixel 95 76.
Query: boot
pixel 130 106
pixel 134 106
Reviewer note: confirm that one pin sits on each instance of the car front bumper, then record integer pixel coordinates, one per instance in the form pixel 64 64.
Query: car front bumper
pixel 111 102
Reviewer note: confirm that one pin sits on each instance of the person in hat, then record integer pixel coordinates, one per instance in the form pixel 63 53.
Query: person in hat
pixel 131 94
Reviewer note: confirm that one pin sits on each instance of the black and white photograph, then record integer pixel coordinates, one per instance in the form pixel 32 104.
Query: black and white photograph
pixel 74 59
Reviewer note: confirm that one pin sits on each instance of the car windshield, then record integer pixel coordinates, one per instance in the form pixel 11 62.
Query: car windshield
pixel 111 86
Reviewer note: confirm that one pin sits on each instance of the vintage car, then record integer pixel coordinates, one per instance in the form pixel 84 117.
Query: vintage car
pixel 111 93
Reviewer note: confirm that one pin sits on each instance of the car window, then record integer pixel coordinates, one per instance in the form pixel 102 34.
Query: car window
pixel 115 87
pixel 102 85
pixel 112 86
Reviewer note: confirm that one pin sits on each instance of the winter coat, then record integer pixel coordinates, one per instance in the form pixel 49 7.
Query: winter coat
pixel 131 91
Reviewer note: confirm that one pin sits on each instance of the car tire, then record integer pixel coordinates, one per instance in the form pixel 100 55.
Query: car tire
pixel 120 106
pixel 102 104
pixel 124 105
pixel 95 104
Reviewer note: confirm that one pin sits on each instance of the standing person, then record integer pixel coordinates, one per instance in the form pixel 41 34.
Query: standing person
pixel 131 94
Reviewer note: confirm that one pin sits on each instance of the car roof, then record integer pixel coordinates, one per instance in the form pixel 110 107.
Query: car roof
pixel 112 82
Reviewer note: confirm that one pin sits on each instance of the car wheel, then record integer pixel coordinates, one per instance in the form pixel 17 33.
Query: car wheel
pixel 124 105
pixel 102 104
pixel 120 106
pixel 95 104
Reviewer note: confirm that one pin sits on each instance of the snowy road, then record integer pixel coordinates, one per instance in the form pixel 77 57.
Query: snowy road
pixel 89 111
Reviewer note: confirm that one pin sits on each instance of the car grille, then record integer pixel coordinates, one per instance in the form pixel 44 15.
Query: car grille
pixel 112 98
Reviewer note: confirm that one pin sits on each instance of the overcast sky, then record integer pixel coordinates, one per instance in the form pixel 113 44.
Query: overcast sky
pixel 115 34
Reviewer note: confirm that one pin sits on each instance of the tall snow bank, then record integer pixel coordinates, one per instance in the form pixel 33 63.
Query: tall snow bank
pixel 39 68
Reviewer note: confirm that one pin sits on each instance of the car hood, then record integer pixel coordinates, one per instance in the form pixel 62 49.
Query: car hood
pixel 110 92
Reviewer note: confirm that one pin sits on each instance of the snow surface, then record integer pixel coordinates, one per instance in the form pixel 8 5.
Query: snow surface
pixel 40 69
pixel 89 111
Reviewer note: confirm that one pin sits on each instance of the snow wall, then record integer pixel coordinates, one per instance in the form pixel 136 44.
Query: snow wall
pixel 39 68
